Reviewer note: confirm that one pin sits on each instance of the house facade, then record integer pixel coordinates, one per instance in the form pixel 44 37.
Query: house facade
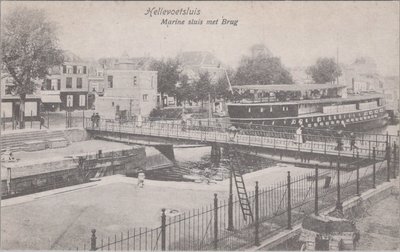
pixel 68 82
pixel 10 102
pixel 127 92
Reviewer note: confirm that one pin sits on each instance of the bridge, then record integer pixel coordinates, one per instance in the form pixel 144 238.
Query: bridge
pixel 317 146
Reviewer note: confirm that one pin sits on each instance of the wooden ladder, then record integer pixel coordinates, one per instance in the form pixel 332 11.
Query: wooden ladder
pixel 242 194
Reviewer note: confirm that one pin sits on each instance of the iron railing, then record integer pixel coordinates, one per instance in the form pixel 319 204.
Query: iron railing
pixel 221 226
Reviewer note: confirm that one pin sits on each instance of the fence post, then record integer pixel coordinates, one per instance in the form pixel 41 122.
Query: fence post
pixel 289 206
pixel 93 240
pixel 395 163
pixel 316 191
pixel 373 169
pixel 4 121
pixel 31 119
pixel 358 175
pixel 230 202
pixel 215 222
pixel 338 202
pixel 388 162
pixel 256 224
pixel 163 228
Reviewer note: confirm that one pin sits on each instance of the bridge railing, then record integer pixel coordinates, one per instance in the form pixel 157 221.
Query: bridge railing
pixel 256 138
pixel 224 123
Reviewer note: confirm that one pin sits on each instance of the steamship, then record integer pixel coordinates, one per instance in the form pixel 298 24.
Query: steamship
pixel 308 105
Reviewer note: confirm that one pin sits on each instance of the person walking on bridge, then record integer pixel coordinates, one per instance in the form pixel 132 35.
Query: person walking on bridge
pixel 299 136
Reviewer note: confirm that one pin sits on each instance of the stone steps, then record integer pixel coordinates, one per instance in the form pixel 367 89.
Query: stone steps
pixel 17 141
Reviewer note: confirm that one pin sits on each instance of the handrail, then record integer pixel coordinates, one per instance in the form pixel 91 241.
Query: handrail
pixel 282 140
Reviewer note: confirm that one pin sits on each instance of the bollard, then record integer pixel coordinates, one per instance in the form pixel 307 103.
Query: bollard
pixel 163 228
pixel 215 242
pixel 93 240
pixel 373 169
pixel 256 224
pixel 358 176
pixel 316 191
pixel 289 205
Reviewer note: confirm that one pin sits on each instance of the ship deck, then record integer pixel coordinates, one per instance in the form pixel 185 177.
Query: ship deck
pixel 350 98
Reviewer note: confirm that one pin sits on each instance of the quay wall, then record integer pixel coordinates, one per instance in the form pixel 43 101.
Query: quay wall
pixel 26 178
pixel 351 208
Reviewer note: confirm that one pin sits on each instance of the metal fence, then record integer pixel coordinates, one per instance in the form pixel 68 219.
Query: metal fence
pixel 253 138
pixel 221 225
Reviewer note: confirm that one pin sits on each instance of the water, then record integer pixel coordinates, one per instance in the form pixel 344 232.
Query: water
pixel 191 162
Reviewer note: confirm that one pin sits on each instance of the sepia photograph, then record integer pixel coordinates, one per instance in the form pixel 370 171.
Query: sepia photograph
pixel 200 125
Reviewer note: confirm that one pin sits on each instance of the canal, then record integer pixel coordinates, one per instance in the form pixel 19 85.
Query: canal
pixel 191 162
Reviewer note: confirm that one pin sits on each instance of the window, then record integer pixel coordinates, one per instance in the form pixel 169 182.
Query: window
pixel 58 84
pixel 110 81
pixel 84 69
pixel 82 100
pixel 78 82
pixel 74 69
pixel 70 101
pixel 145 97
pixel 135 80
pixel 48 84
pixel 64 67
pixel 112 104
pixel 69 82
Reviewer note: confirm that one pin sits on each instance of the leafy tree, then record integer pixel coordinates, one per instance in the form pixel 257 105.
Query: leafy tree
pixel 261 69
pixel 325 70
pixel 185 92
pixel 168 75
pixel 202 87
pixel 221 88
pixel 29 49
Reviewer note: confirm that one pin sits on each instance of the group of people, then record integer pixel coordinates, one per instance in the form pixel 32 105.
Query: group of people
pixel 300 137
pixel 95 118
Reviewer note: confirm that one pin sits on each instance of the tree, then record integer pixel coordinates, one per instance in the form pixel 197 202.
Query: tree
pixel 168 75
pixel 325 70
pixel 261 69
pixel 221 88
pixel 202 87
pixel 185 92
pixel 29 50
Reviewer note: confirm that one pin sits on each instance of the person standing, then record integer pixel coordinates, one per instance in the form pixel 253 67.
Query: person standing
pixel 353 141
pixel 93 119
pixel 141 177
pixel 298 136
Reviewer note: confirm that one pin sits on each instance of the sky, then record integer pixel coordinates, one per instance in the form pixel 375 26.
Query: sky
pixel 297 32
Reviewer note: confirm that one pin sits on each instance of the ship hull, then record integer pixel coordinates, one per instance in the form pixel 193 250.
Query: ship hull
pixel 358 120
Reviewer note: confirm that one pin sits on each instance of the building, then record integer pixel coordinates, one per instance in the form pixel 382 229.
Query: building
pixel 10 102
pixel 195 62
pixel 128 92
pixel 68 82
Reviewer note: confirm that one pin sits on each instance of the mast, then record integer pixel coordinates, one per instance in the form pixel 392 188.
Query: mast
pixel 337 64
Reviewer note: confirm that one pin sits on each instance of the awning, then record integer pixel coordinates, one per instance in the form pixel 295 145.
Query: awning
pixel 51 99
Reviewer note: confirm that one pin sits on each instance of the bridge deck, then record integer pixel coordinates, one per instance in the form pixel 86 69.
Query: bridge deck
pixel 271 140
